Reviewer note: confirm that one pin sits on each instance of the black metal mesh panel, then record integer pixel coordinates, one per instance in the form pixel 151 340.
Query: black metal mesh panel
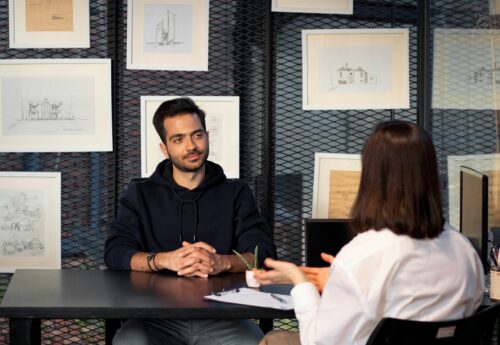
pixel 298 134
pixel 87 198
pixel 463 126
pixel 236 60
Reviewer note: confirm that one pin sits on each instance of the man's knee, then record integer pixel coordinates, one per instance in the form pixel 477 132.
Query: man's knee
pixel 279 337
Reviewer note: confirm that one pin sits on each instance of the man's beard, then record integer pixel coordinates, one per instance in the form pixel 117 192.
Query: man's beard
pixel 194 167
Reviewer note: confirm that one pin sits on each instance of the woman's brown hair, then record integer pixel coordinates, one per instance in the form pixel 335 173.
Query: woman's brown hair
pixel 399 187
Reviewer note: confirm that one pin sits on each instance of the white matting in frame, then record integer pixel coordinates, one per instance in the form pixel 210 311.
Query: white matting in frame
pixel 355 69
pixel 167 35
pixel 488 164
pixel 336 184
pixel 30 220
pixel 223 125
pixel 313 6
pixel 55 105
pixel 466 69
pixel 49 24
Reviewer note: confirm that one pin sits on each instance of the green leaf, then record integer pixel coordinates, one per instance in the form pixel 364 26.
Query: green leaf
pixel 245 261
pixel 255 254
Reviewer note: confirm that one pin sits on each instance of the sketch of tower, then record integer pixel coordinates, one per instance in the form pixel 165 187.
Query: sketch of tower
pixel 165 30
pixel 348 75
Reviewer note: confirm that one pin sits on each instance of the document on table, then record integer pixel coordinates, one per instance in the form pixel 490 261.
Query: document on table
pixel 254 298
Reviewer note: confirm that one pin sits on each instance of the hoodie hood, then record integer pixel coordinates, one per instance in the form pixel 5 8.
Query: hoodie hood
pixel 163 175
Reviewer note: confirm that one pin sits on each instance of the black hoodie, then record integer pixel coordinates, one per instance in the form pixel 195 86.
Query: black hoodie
pixel 157 214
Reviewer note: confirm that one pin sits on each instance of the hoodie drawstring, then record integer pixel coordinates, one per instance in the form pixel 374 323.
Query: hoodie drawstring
pixel 194 203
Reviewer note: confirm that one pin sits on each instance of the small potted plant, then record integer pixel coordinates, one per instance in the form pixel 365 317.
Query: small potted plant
pixel 249 274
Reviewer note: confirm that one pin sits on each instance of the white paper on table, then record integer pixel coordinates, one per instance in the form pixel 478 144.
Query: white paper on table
pixel 252 297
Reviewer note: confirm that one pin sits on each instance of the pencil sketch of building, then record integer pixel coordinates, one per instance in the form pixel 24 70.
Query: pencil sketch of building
pixel 20 221
pixel 165 30
pixel 347 75
pixel 486 76
pixel 45 109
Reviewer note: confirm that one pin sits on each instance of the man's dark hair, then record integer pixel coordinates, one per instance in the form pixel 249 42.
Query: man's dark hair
pixel 399 187
pixel 176 107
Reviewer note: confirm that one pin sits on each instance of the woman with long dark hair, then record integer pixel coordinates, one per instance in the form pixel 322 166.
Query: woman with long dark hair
pixel 405 262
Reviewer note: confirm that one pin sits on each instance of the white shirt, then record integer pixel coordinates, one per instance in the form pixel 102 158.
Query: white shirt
pixel 380 274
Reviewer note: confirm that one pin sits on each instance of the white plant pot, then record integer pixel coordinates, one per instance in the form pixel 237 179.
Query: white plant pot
pixel 251 282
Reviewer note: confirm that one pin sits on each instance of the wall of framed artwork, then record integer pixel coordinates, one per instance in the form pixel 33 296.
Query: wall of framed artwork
pixel 313 6
pixel 355 69
pixel 223 126
pixel 55 105
pixel 49 24
pixel 488 164
pixel 336 183
pixel 167 35
pixel 466 69
pixel 30 220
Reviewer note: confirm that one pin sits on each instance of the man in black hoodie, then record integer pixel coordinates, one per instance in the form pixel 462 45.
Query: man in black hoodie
pixel 187 218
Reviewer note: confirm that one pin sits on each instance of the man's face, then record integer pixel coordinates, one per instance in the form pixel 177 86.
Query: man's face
pixel 186 142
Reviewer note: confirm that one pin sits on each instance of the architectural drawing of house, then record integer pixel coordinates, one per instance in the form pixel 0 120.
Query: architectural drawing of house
pixel 486 76
pixel 346 75
pixel 165 30
pixel 45 110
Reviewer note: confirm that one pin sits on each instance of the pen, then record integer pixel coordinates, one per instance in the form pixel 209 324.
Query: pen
pixel 278 298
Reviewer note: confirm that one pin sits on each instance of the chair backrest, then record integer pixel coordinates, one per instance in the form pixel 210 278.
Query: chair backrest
pixel 473 330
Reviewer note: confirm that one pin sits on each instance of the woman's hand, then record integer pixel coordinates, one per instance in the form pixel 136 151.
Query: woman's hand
pixel 281 272
pixel 318 275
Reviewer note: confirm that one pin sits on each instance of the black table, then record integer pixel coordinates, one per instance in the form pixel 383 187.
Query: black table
pixel 114 295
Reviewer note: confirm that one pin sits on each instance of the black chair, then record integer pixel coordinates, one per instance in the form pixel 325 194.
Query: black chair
pixel 473 330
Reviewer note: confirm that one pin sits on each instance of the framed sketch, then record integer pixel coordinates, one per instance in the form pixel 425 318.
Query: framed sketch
pixel 466 69
pixel 167 35
pixel 49 24
pixel 488 164
pixel 336 184
pixel 355 69
pixel 313 6
pixel 55 105
pixel 30 220
pixel 223 126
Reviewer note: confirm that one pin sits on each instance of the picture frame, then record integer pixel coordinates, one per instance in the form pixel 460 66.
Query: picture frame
pixel 223 126
pixel 313 6
pixel 355 69
pixel 336 184
pixel 30 220
pixel 465 69
pixel 494 7
pixel 49 24
pixel 167 35
pixel 55 105
pixel 488 164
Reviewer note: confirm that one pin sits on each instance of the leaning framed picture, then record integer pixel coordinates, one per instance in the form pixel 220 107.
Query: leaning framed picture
pixel 30 220
pixel 313 6
pixel 49 24
pixel 223 127
pixel 336 184
pixel 55 105
pixel 167 35
pixel 488 164
pixel 355 69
